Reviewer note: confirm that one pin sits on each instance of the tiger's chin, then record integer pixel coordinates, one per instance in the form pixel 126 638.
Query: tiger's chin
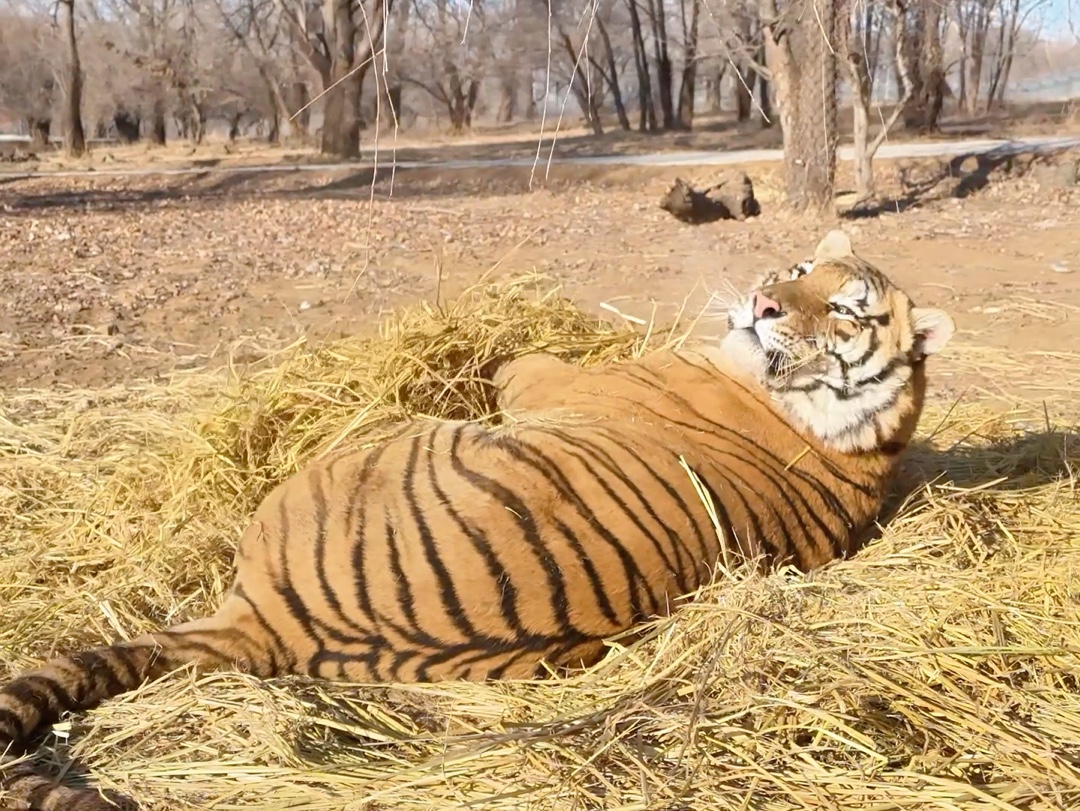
pixel 744 349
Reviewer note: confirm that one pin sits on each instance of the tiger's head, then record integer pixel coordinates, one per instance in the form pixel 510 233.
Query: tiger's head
pixel 840 347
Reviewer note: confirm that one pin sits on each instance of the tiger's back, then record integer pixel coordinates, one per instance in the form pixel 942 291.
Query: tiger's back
pixel 452 550
pixel 458 551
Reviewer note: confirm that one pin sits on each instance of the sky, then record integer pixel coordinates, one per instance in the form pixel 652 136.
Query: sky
pixel 1061 20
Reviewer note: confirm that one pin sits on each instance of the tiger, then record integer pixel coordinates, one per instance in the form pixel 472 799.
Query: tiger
pixel 476 551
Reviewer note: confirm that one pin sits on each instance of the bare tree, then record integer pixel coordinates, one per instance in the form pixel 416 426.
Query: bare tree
pixel 862 40
pixel 662 57
pixel 802 65
pixel 584 76
pixel 688 85
pixel 610 69
pixel 452 40
pixel 255 26
pixel 27 79
pixel 921 35
pixel 973 19
pixel 1012 17
pixel 646 106
pixel 74 137
pixel 743 46
pixel 340 44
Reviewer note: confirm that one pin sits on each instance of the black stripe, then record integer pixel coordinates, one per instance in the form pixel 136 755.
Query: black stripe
pixel 97 664
pixel 282 648
pixel 11 720
pixel 785 495
pixel 288 593
pixel 735 435
pixel 679 567
pixel 123 656
pixel 552 472
pixel 780 466
pixel 760 538
pixel 356 517
pixel 530 531
pixel 822 490
pixel 398 661
pixel 404 594
pixel 321 517
pixel 767 544
pixel 672 492
pixel 452 606
pixel 481 543
pixel 42 696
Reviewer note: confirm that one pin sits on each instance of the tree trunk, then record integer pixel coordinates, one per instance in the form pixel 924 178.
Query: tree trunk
pixel 665 74
pixel 341 105
pixel 198 122
pixel 977 30
pixel 744 71
pixel 234 126
pixel 714 88
pixel 688 84
pixel 862 87
pixel 1009 27
pixel 507 99
pixel 804 73
pixel 74 137
pixel 298 99
pixel 341 118
pixel 612 75
pixel 393 97
pixel 765 91
pixel 922 50
pixel 744 96
pixel 461 100
pixel 157 121
pixel 531 111
pixel 646 109
pixel 127 125
pixel 39 132
pixel 580 84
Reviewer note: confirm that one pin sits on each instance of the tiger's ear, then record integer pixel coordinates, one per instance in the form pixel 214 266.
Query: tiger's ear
pixel 835 245
pixel 933 328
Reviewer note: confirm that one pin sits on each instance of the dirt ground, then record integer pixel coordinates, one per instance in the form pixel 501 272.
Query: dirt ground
pixel 108 279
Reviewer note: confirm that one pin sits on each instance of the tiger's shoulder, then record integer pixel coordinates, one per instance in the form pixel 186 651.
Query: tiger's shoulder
pixel 542 384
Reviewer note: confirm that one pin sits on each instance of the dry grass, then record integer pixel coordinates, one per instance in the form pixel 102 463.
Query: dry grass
pixel 939 669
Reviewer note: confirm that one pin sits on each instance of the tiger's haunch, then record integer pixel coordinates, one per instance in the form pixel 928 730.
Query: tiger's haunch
pixel 455 551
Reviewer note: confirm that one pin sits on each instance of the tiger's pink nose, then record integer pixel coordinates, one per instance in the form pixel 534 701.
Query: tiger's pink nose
pixel 765 307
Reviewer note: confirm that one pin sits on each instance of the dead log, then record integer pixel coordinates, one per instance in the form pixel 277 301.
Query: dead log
pixel 730 199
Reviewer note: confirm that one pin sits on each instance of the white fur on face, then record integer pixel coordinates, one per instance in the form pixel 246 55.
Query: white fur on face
pixel 849 381
pixel 833 383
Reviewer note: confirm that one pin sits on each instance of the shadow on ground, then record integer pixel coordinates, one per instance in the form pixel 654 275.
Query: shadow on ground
pixel 207 189
pixel 961 176
pixel 1015 463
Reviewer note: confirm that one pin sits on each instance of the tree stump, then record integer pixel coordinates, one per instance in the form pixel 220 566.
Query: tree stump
pixel 730 199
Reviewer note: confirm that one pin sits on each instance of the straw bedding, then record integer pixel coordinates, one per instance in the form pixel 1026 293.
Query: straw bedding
pixel 938 669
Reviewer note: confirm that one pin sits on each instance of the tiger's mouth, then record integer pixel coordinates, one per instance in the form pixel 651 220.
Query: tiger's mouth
pixel 776 361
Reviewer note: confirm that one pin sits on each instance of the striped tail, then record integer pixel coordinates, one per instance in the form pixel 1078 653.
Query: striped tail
pixel 35 700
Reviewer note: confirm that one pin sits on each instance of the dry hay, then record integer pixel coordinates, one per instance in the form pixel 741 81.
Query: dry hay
pixel 938 669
